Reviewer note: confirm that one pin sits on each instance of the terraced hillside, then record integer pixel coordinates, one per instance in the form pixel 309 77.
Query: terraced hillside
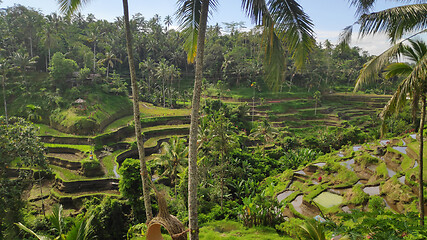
pixel 87 166
pixel 346 179
pixel 302 114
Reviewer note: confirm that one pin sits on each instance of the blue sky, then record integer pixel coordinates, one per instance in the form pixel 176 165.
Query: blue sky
pixel 329 16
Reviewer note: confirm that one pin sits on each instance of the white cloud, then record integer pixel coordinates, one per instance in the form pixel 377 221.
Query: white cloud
pixel 373 44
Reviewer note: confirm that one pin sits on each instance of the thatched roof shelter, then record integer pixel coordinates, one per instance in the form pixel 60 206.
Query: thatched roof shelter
pixel 79 101
pixel 174 227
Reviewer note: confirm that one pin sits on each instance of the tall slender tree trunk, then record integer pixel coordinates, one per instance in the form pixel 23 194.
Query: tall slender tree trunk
pixel 47 70
pixel 136 116
pixel 4 98
pixel 163 92
pixel 94 59
pixel 421 163
pixel 41 193
pixel 192 162
pixel 170 93
pixel 31 46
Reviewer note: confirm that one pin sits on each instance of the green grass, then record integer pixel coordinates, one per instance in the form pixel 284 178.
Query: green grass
pixel 118 123
pixel 45 130
pixel 229 230
pixel 149 110
pixel 327 199
pixel 381 170
pixel 100 106
pixel 59 195
pixel 109 162
pixel 415 146
pixel 243 92
pixel 407 162
pixel 82 148
pixel 164 127
pixel 67 174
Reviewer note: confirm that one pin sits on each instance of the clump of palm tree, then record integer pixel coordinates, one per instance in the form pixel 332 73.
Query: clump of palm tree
pixel 109 58
pixel 313 230
pixel 173 159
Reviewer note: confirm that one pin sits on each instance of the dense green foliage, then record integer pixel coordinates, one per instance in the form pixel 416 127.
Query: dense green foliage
pixel 19 147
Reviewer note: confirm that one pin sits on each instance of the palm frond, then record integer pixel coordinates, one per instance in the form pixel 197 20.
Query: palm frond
pixel 397 69
pixel 415 51
pixel 374 66
pixel 82 229
pixel 56 218
pixel 255 9
pixel 70 6
pixel 283 21
pixel 395 22
pixel 188 15
pixel 345 35
pixel 362 6
pixel 274 58
pixel 88 228
pixel 413 86
pixel 313 230
pixel 40 237
pixel 294 27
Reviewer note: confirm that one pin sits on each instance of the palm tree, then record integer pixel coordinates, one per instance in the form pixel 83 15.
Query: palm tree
pixel 49 39
pixel 313 230
pixel 23 61
pixel 408 19
pixel 148 66
pixel 5 68
pixel 173 72
pixel 82 229
pixel 316 97
pixel 173 159
pixel 292 25
pixel 415 86
pixel 224 140
pixel 93 36
pixel 162 73
pixel 109 58
pixel 69 6
pixel 265 131
pixel 168 21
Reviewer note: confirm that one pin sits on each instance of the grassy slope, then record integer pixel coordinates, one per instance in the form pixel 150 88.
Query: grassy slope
pixel 229 230
pixel 100 106
pixel 415 145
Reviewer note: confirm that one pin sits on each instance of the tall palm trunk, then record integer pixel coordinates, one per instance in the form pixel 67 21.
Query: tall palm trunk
pixel 94 59
pixel 136 116
pixel 192 162
pixel 4 99
pixel 169 92
pixel 163 92
pixel 421 164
